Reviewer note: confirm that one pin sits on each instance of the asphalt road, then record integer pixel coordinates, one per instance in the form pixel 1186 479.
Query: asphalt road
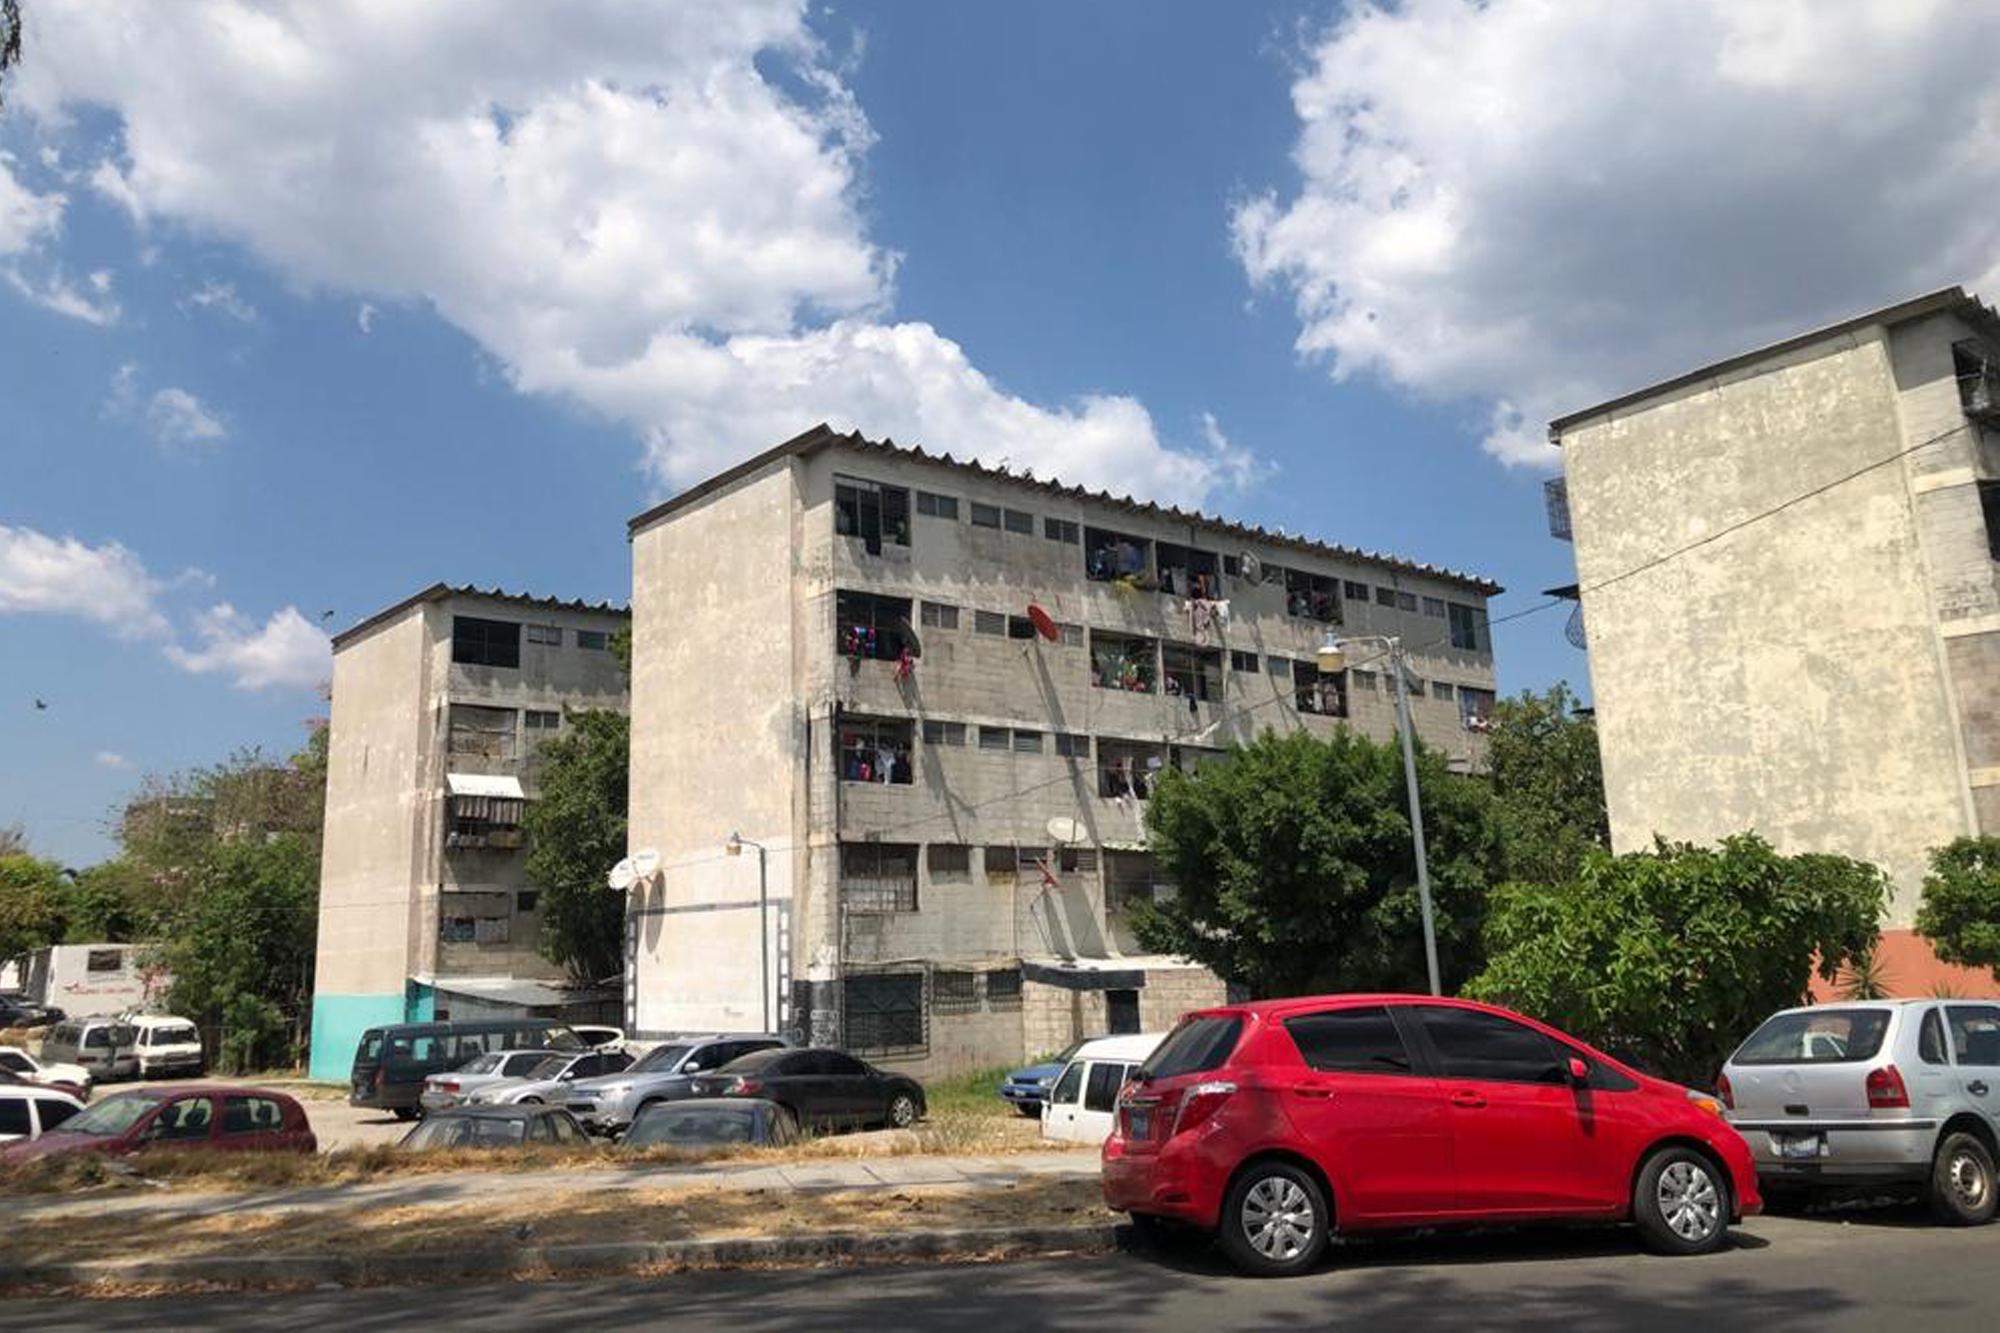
pixel 1859 1270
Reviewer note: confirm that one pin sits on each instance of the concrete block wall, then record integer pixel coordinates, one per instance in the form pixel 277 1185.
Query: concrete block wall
pixel 1171 992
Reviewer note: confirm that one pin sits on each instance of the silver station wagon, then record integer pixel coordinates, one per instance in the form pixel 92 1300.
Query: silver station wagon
pixel 1900 1093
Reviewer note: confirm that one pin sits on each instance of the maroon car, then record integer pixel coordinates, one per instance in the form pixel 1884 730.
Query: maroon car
pixel 228 1119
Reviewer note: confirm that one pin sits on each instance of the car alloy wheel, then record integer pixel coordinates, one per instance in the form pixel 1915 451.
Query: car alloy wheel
pixel 902 1110
pixel 1689 1201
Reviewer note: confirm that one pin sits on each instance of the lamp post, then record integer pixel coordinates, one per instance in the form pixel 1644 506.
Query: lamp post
pixel 734 847
pixel 1332 657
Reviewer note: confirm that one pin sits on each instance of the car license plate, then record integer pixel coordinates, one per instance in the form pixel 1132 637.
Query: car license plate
pixel 1142 1124
pixel 1799 1147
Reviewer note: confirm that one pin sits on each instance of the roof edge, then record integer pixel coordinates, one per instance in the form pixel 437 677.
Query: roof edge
pixel 437 592
pixel 803 443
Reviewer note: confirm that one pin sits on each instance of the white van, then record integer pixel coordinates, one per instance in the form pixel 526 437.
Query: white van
pixel 167 1046
pixel 1085 1098
pixel 104 1046
pixel 29 1112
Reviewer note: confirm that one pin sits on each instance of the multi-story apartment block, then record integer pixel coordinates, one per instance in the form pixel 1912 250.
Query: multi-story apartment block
pixel 439 706
pixel 1787 568
pixel 931 698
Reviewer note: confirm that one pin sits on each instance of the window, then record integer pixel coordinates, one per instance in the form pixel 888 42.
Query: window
pixel 1121 662
pixel 1475 1045
pixel 1019 520
pixel 1443 691
pixel 14 1116
pixel 1242 661
pixel 1188 572
pixel 1196 1046
pixel 1027 742
pixel 1351 1041
pixel 536 719
pixel 1192 673
pixel 947 860
pixel 1126 768
pixel 940 615
pixel 1434 607
pixel 1281 667
pixel 546 634
pixel 485 821
pixel 954 991
pixel 878 877
pixel 1975 1033
pixel 251 1115
pixel 1930 1040
pixel 884 1011
pixel 872 627
pixel 1076 860
pixel 188 1118
pixel 1468 628
pixel 944 733
pixel 876 750
pixel 1406 601
pixel 1356 592
pixel 53 1112
pixel 1020 627
pixel 985 516
pixel 1820 1036
pixel 593 640
pixel 878 515
pixel 104 960
pixel 1069 1085
pixel 1363 680
pixel 481 733
pixel 1232 566
pixel 1385 597
pixel 1475 708
pixel 1006 862
pixel 1109 556
pixel 932 505
pixel 1100 1089
pixel 494 643
pixel 525 899
pixel 1312 596
pixel 1072 635
pixel 1069 745
pixel 1319 692
pixel 14 1062
pixel 994 738
pixel 1003 988
pixel 1989 508
pixel 1274 575
pixel 989 622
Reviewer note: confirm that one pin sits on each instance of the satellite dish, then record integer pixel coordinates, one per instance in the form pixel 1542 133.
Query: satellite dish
pixel 1044 624
pixel 1253 568
pixel 646 864
pixel 1065 830
pixel 622 875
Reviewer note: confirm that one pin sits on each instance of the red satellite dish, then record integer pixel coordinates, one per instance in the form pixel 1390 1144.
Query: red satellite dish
pixel 1044 625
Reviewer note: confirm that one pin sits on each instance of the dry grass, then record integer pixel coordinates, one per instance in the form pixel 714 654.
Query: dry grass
pixel 557 1218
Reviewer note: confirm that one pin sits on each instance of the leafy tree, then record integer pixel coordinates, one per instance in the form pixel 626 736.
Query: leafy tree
pixel 1670 957
pixel 10 36
pixel 1549 781
pixel 1295 871
pixel 31 905
pixel 578 832
pixel 107 902
pixel 1960 912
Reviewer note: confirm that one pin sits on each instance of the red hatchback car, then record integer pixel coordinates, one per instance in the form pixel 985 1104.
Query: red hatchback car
pixel 231 1119
pixel 1274 1124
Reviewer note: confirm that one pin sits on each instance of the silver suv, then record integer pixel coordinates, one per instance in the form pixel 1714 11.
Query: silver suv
pixel 607 1105
pixel 1897 1092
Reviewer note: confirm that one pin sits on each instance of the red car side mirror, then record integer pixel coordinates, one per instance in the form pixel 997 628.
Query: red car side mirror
pixel 1579 1072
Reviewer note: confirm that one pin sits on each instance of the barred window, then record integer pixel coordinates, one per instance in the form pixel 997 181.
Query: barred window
pixel 1434 607
pixel 1072 746
pixel 985 515
pixel 993 738
pixel 1019 520
pixel 954 991
pixel 878 877
pixel 989 622
pixel 546 634
pixel 940 615
pixel 1003 989
pixel 948 860
pixel 1027 742
pixel 943 733
pixel 1062 530
pixel 884 1012
pixel 1072 635
pixel 932 505
pixel 1356 592
pixel 1242 661
pixel 1385 597
pixel 1078 860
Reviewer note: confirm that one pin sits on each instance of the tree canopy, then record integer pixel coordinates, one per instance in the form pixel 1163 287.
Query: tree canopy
pixel 578 831
pixel 1960 912
pixel 1295 873
pixel 1548 784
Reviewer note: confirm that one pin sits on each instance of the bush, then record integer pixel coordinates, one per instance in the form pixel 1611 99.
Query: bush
pixel 1960 914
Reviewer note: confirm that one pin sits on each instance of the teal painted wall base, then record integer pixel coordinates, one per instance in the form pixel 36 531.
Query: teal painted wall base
pixel 339 1021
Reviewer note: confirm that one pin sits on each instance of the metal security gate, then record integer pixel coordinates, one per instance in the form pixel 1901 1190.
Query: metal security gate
pixel 885 1013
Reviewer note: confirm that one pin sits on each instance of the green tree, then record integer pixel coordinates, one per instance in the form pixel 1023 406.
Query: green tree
pixel 1295 873
pixel 1670 957
pixel 578 832
pixel 1960 912
pixel 31 905
pixel 1549 784
pixel 107 902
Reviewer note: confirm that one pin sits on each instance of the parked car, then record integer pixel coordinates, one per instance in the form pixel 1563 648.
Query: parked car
pixel 72 1079
pixel 454 1088
pixel 1084 1101
pixel 29 1110
pixel 599 1036
pixel 18 1011
pixel 392 1062
pixel 712 1122
pixel 1027 1088
pixel 550 1073
pixel 1903 1093
pixel 104 1046
pixel 166 1047
pixel 1265 1123
pixel 231 1119
pixel 495 1127
pixel 821 1088
pixel 607 1104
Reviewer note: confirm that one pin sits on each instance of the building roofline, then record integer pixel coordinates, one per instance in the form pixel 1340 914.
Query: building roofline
pixel 437 592
pixel 1954 297
pixel 823 436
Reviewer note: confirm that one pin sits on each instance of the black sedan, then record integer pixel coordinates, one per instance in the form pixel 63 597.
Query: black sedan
pixel 528 1126
pixel 822 1088
pixel 18 1012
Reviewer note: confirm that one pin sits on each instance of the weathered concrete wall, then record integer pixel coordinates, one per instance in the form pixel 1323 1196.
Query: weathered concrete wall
pixel 1787 677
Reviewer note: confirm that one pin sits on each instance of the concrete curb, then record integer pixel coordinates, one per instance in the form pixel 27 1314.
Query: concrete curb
pixel 549 1260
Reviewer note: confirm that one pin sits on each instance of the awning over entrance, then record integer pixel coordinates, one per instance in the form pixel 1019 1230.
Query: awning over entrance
pixel 502 785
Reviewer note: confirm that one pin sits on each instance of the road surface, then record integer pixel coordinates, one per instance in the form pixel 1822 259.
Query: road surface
pixel 1868 1270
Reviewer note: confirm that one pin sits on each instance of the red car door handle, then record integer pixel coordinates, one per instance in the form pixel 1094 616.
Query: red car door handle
pixel 1468 1099
pixel 1312 1089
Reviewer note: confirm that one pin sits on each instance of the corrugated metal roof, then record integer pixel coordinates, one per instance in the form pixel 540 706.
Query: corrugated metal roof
pixel 440 591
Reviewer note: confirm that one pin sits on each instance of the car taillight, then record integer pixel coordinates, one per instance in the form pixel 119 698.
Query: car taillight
pixel 1724 1091
pixel 1200 1103
pixel 746 1087
pixel 1885 1088
pixel 444 1084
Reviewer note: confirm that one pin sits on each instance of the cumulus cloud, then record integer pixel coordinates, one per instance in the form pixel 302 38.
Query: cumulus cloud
pixel 26 217
pixel 221 299
pixel 364 317
pixel 177 417
pixel 286 650
pixel 1609 194
pixel 112 759
pixel 650 209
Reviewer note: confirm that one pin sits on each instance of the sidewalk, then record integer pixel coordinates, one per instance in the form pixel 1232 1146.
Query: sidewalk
pixel 861 1173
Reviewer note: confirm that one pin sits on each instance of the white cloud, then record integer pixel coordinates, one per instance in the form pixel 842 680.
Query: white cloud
pixel 1608 194
pixel 105 584
pixel 652 209
pixel 123 398
pixel 54 291
pixel 112 759
pixel 364 317
pixel 177 417
pixel 285 650
pixel 221 298
pixel 26 217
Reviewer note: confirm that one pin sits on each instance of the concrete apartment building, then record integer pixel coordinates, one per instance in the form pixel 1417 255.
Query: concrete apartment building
pixel 1827 674
pixel 936 694
pixel 440 703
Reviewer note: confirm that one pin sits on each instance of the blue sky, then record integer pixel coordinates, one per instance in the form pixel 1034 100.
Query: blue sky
pixel 451 297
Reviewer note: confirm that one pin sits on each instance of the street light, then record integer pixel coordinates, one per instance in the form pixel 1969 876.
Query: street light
pixel 1333 657
pixel 734 847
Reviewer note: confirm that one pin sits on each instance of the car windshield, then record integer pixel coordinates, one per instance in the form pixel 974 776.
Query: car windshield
pixel 692 1128
pixel 1068 1052
pixel 547 1067
pixel 660 1059
pixel 1196 1045
pixel 480 1064
pixel 466 1131
pixel 562 1039
pixel 110 1117
pixel 1816 1036
pixel 177 1035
